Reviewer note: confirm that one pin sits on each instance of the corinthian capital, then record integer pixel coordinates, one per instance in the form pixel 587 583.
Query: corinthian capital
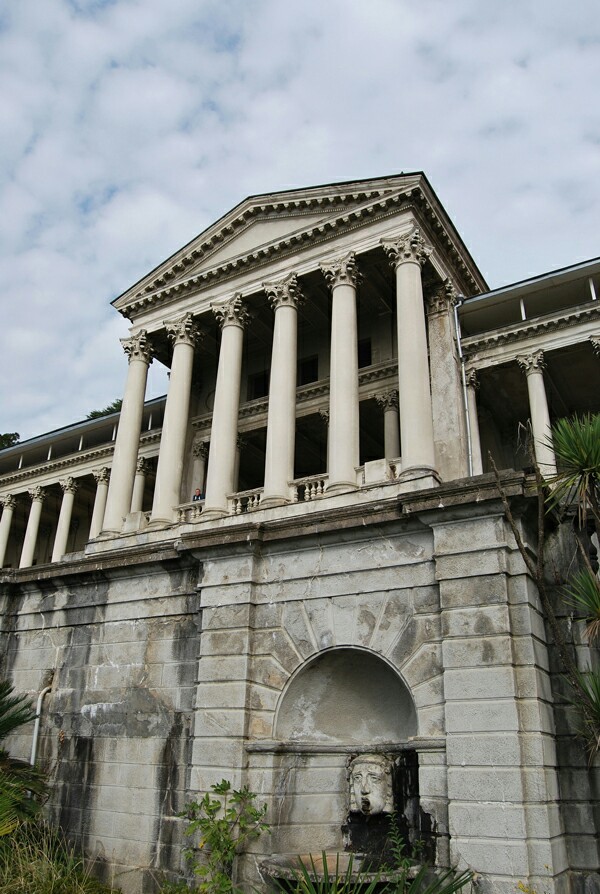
pixel 531 363
pixel 442 298
pixel 138 347
pixel 342 271
pixel 387 400
pixel 200 450
pixel 183 331
pixel 410 248
pixel 472 378
pixel 8 501
pixel 142 467
pixel 69 485
pixel 284 292
pixel 101 476
pixel 37 493
pixel 232 312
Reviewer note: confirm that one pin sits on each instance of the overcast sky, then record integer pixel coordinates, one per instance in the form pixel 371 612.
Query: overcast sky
pixel 127 127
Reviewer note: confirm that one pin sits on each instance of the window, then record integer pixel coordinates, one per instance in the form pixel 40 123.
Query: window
pixel 258 385
pixel 308 370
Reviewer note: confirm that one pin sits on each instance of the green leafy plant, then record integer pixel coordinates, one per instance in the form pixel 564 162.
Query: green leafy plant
pixel 35 859
pixel 225 820
pixel 310 878
pixel 22 787
pixel 574 488
pixel 405 875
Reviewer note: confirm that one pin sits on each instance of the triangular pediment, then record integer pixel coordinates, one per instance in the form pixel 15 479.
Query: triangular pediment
pixel 258 227
pixel 269 226
pixel 255 236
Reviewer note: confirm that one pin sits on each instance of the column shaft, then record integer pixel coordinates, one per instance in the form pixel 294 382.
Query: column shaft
pixel 476 457
pixel 69 488
pixel 102 477
pixel 407 254
pixel 391 426
pixel 281 426
pixel 8 502
pixel 223 437
pixel 120 488
pixel 169 472
pixel 33 523
pixel 344 432
pixel 533 366
pixel 139 484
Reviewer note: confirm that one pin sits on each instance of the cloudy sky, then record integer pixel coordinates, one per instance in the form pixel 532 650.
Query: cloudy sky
pixel 128 126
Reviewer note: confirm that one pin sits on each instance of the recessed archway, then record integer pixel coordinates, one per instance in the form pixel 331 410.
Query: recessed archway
pixel 348 696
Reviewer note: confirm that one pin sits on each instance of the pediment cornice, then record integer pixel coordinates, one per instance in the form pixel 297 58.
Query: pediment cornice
pixel 328 214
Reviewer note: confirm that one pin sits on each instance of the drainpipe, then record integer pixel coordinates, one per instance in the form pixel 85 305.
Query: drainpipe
pixel 461 356
pixel 38 719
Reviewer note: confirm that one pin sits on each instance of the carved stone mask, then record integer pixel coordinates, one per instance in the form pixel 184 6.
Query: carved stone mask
pixel 370 778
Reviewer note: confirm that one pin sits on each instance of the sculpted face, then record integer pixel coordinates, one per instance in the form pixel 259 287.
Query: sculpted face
pixel 371 784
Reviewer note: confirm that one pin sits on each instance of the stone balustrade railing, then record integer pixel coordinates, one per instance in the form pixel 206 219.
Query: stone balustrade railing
pixel 244 501
pixel 306 489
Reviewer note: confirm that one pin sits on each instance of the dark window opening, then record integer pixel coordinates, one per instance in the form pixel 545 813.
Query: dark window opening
pixel 258 385
pixel 308 370
pixel 364 352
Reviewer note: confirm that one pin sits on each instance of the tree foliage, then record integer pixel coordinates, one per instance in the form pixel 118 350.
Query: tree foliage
pixel 22 787
pixel 574 490
pixel 9 439
pixel 114 407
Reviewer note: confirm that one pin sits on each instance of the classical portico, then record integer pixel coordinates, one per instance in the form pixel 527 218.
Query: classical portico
pixel 295 567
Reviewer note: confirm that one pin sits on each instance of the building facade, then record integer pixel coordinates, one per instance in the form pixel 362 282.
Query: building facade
pixel 300 555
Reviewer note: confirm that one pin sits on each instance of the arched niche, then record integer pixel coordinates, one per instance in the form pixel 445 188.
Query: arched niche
pixel 348 696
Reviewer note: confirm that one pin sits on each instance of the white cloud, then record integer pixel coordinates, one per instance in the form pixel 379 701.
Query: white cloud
pixel 129 126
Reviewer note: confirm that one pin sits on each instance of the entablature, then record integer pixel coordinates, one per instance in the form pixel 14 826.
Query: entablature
pixel 549 332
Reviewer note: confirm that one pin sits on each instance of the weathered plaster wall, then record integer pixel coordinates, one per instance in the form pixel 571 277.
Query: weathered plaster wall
pixel 116 734
pixel 177 667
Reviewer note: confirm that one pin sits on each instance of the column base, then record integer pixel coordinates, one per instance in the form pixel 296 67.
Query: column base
pixel 340 487
pixel 134 521
pixel 273 501
pixel 419 478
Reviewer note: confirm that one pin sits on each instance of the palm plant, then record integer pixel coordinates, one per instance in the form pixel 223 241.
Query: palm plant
pixel 577 484
pixel 22 786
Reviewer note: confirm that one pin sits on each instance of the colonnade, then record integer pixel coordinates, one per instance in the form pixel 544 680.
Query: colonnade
pixel 533 365
pixel 407 254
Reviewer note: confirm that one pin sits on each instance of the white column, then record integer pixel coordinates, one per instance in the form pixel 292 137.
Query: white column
pixel 102 477
pixel 344 445
pixel 9 503
pixel 118 503
pixel 69 489
pixel 221 465
pixel 38 495
pixel 472 386
pixel 388 401
pixel 139 483
pixel 407 254
pixel 533 366
pixel 285 296
pixel 167 492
